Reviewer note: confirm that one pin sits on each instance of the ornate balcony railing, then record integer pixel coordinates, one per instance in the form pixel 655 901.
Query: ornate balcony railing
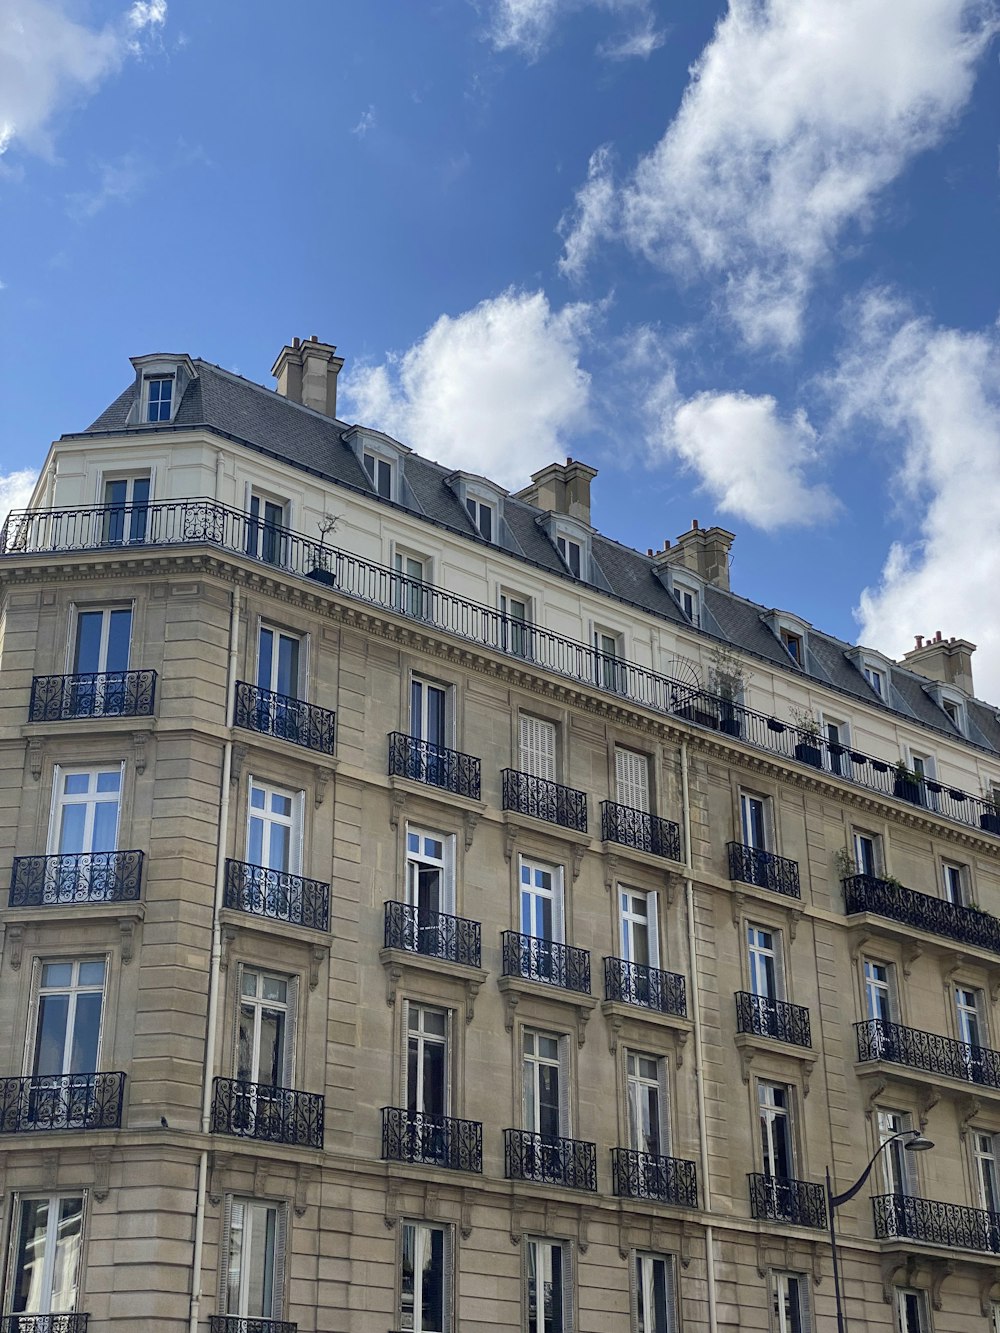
pixel 277 894
pixel 781 1199
pixel 77 877
pixel 271 1115
pixel 549 1160
pixel 453 939
pixel 232 1323
pixel 773 1018
pixel 639 830
pixel 882 897
pixel 44 1323
pixel 645 987
pixel 640 1175
pixel 199 521
pixel 750 865
pixel 898 1045
pixel 543 799
pixel 287 718
pixel 431 1140
pixel 61 1101
pixel 93 694
pixel 547 961
pixel 904 1215
pixel 420 761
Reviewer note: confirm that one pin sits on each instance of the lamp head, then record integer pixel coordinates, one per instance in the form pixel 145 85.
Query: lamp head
pixel 918 1143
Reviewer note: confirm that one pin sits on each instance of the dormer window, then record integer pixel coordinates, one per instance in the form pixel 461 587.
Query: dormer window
pixel 572 553
pixel 688 598
pixel 792 644
pixel 792 633
pixel 381 457
pixel 159 397
pixel 483 501
pixel 380 471
pixel 876 678
pixel 161 381
pixel 483 515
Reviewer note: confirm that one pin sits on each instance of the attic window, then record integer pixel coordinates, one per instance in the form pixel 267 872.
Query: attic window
pixel 159 397
pixel 876 679
pixel 688 598
pixel 792 644
pixel 572 553
pixel 483 515
pixel 380 471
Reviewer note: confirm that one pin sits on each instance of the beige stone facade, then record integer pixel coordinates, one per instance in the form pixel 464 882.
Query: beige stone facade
pixel 188 1210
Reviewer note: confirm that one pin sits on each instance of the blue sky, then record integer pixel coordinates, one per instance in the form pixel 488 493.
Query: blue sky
pixel 742 258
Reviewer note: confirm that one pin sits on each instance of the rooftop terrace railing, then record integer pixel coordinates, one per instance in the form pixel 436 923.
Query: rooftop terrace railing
pixel 196 522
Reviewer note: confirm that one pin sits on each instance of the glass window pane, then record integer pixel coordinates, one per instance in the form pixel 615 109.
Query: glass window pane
pixel 72 829
pixel 57 974
pixel 86 1034
pixel 119 640
pixel 88 641
pixel 105 827
pixel 76 784
pixel 29 1297
pixel 50 1040
pixel 109 781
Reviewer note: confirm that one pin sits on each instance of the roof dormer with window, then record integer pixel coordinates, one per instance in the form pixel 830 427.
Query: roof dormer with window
pixel 382 459
pixel 876 669
pixel 792 633
pixel 571 538
pixel 483 501
pixel 161 379
pixel 686 592
pixel 951 701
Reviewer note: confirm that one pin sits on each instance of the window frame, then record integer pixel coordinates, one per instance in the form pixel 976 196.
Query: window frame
pixel 555 895
pixel 634 1082
pixel 289 1006
pixel 31 1034
pixel 15 1259
pixel 628 919
pixel 872 985
pixel 963 876
pixel 778 1285
pixel 641 1321
pixel 543 1245
pixel 295 823
pixel 561 1062
pixel 413 1092
pixel 834 763
pixel 920 1302
pixel 59 802
pixel 895 1165
pixel 755 958
pixel 787 1113
pixel 540 756
pixel 264 625
pixel 261 530
pixel 448 1270
pixel 278 1259
pixel 412 596
pixel 516 631
pixel 625 784
pixel 382 464
pixel 419 856
pixel 860 835
pixel 768 827
pixel 685 591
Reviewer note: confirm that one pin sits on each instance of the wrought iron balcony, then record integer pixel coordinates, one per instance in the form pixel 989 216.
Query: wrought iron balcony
pixel 773 1018
pixel 44 1323
pixel 232 1323
pixel 781 1199
pixel 542 799
pixel 750 865
pixel 547 961
pixel 273 1115
pixel 549 1160
pixel 61 1101
pixel 640 1175
pixel 420 761
pixel 453 939
pixel 77 877
pixel 277 895
pixel 92 694
pixel 285 717
pixel 200 521
pixel 639 830
pixel 882 897
pixel 904 1215
pixel 645 987
pixel 431 1140
pixel 898 1045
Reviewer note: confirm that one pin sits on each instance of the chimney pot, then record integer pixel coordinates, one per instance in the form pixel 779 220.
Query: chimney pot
pixel 313 338
pixel 694 525
pixel 918 640
pixel 307 372
pixel 649 550
pixel 295 343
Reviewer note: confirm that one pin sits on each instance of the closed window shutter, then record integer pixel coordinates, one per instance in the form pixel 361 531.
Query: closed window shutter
pixel 538 747
pixel 805 1313
pixel 234 1062
pixel 448 1281
pixel 569 1322
pixel 29 1042
pixel 632 780
pixel 670 1287
pixel 225 1241
pixel 653 929
pixel 404 1063
pixel 661 1078
pixel 280 1250
pixel 291 1027
pixel 565 1119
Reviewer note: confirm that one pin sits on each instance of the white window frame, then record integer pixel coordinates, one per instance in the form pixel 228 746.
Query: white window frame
pixel 150 378
pixel 896 1164
pixel 476 506
pixel 838 765
pixel 260 524
pixel 421 1233
pixel 877 677
pixel 955 876
pixel 280 632
pixel 986 1173
pixel 258 1003
pixel 422 856
pixel 638 909
pixel 294 822
pixel 75 989
pixel 782 1295
pixel 770 1112
pixel 643 1283
pixel 278 1256
pixel 105 610
pixel 687 595
pixel 879 986
pixel 639 1085
pixel 531 1060
pixel 917 1300
pixel 788 636
pixel 91 798
pixel 421 1039
pixel 532 890
pixel 747 800
pixel 633 789
pixel 411 600
pixel 766 983
pixel 924 765
pixel 859 835
pixel 516 630
pixel 380 460
pixel 51 1262
pixel 542 1249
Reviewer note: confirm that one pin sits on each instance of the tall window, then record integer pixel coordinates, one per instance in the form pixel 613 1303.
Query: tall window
pixel 515 625
pixel 278 661
pixel 911 1311
pixel 430 888
pixel 427 1087
pixel 267 535
pixel 274 827
pixel 639 936
pixel 428 711
pixel 609 671
pixel 572 554
pixel 254 1258
pixel 103 640
pixel 47 1241
pixel 837 741
pixel 655 1300
pixel 544 1094
pixel 483 515
pixel 753 815
pixel 380 474
pixel 159 396
pixel 790 1303
pixel 537 747
pixel 792 643
pixel 984 1148
pixel 547 1293
pixel 126 510
pixel 955 881
pixel 775 1130
pixel 867 853
pixel 968 1011
pixel 687 600
pixel 764 962
pixel 646 1103
pixel 69 1007
pixel 876 679
pixel 542 901
pixel 425 1278
pixel 85 812
pixel 895 1161
pixel 412 593
pixel 632 779
pixel 880 1000
pixel 264 1036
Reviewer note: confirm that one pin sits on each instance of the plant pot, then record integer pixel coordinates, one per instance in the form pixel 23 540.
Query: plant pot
pixel 907 790
pixel 858 758
pixel 729 721
pixel 836 751
pixel 323 576
pixel 774 725
pixel 695 714
pixel 934 787
pixel 878 766
pixel 809 754
pixel 990 823
pixel 956 795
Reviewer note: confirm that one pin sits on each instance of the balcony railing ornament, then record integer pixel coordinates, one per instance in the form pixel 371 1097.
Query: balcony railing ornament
pixel 41 1102
pixel 546 961
pixel 883 897
pixel 287 718
pixel 420 761
pixel 431 1140
pixel 645 987
pixel 453 939
pixel 277 894
pixel 777 1019
pixel 639 830
pixel 97 694
pixel 752 865
pixel 546 800
pixel 77 877
pixel 878 1039
pixel 782 1199
pixel 550 1160
pixel 272 1115
pixel 640 1175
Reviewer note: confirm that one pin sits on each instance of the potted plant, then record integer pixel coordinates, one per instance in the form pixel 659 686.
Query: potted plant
pixel 906 784
pixel 989 819
pixel 807 747
pixel 878 766
pixel 322 555
pixel 729 680
pixel 845 864
pixel 774 725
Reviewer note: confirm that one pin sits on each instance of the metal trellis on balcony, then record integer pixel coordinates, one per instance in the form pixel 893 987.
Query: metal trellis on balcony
pixel 277 895
pixel 751 865
pixel 434 765
pixel 645 987
pixel 762 1017
pixel 286 718
pixel 543 799
pixel 273 1115
pixel 431 1140
pixel 639 830
pixel 42 1102
pixel 782 1199
pixel 547 961
pixel 905 1215
pixel 453 939
pixel 867 893
pixel 77 877
pixel 550 1160
pixel 94 694
pixel 879 1039
pixel 641 1175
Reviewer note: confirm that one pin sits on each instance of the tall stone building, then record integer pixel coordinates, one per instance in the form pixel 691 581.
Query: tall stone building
pixel 426 913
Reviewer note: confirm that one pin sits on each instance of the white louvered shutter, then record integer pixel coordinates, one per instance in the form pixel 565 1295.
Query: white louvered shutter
pixel 225 1243
pixel 804 1308
pixel 404 1055
pixel 670 1291
pixel 291 1028
pixel 538 747
pixel 565 1119
pixel 632 780
pixel 664 1107
pixel 280 1250
pixel 568 1289
pixel 448 1280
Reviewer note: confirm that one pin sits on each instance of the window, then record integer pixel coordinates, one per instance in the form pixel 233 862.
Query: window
pixel 430 889
pixel 868 853
pixel 159 396
pixel 427 1040
pixel 754 818
pixel 773 1101
pixel 655 1301
pixel 838 738
pixel 279 660
pixel 764 962
pixel 126 510
pixel 647 1104
pixel 984 1151
pixel 968 1009
pixel 69 1003
pixel 789 1303
pixel 264 1047
pixel 609 670
pixel 995 1317
pixel 253 1258
pixel 380 474
pixel 572 554
pixel 428 712
pixel 792 644
pixel 639 935
pixel 101 648
pixel 923 767
pixel 85 811
pixel 483 515
pixel 545 1084
pixel 954 710
pixel 632 779
pixel 425 1278
pixel 542 901
pixel 880 991
pixel 267 535
pixel 47 1238
pixel 896 1168
pixel 274 828
pixel 688 599
pixel 515 625
pixel 412 594
pixel 955 881
pixel 548 1297
pixel 911 1311
pixel 876 679
pixel 537 747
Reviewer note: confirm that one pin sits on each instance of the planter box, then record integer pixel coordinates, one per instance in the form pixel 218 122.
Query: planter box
pixel 323 576
pixel 694 714
pixel 774 725
pixel 907 790
pixel 809 754
pixel 990 823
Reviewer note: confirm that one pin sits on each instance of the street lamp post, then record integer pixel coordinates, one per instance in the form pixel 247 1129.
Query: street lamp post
pixel 916 1143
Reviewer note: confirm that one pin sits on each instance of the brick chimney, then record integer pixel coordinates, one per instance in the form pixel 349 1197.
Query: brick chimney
pixel 561 489
pixel 704 551
pixel 946 660
pixel 306 371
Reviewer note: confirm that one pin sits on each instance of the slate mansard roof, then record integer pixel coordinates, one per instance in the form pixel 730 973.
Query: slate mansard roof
pixel 263 420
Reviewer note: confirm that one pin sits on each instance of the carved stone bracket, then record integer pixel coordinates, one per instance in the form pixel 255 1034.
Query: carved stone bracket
pixel 795 915
pixel 987 1282
pixel 873 1097
pixel 940 1269
pixel 226 939
pixel 672 882
pixel 993 982
pixel 516 1221
pixel 50 1170
pixel 126 927
pixel 689 1234
pixel 615 1025
pixel 583 1232
pixel 101 1158
pixel 610 870
pixel 959 961
pixel 261 1170
pixel 817 1263
pixel 682 1037
pixel 139 750
pixel 317 957
pixel 432 1197
pixel 15 933
pixel 911 952
pixel 391 1204
pixel 890 1266
pixel 578 851
pixel 968 1109
pixel 304 1173
pixel 623 1246
pixel 510 837
pixel 510 1000
pixel 236 766
pixel 471 991
pixel 35 757
pixel 470 820
pixel 397 805
pixel 928 1100
pixel 737 903
pixel 582 1015
pixel 321 775
pixel 859 944
pixel 393 976
pixel 465 1225
pixel 219 1166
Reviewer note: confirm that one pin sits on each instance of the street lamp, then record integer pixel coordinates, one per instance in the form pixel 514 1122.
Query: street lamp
pixel 916 1143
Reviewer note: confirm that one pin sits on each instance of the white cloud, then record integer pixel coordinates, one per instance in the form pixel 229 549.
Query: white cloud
pixel 798 115
pixel 48 60
pixel 751 461
pixel 15 490
pixel 118 182
pixel 366 123
pixel 592 217
pixel 495 390
pixel 527 25
pixel 933 395
pixel 638 44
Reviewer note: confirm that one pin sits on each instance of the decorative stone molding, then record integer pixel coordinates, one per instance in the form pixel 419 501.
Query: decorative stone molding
pixel 304 1173
pixel 139 750
pixel 15 933
pixel 101 1158
pixel 35 757
pixel 126 927
pixel 219 1163
pixel 317 957
pixel 236 765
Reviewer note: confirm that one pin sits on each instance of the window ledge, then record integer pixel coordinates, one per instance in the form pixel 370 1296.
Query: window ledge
pixel 917 942
pixel 920 1078
pixel 750 1046
pixel 619 1015
pixel 17 920
pixel 271 928
pixel 516 989
pixel 397 961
